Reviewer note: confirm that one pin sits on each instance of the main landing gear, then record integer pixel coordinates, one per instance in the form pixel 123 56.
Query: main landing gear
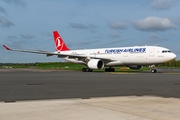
pixel 87 70
pixel 153 69
pixel 110 69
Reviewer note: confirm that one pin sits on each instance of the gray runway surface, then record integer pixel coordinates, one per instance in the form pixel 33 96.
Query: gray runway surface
pixel 17 85
pixel 44 95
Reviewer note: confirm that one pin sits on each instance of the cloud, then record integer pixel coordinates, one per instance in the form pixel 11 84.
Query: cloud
pixel 49 34
pixel 10 37
pixel 112 42
pixel 117 25
pixel 154 38
pixel 161 4
pixel 15 2
pixel 92 26
pixel 78 26
pixel 2 10
pixel 27 36
pixel 114 35
pixel 5 23
pixel 82 26
pixel 88 42
pixel 177 20
pixel 154 24
pixel 14 41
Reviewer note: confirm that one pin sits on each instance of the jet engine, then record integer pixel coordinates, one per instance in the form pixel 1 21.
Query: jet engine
pixel 95 64
pixel 134 67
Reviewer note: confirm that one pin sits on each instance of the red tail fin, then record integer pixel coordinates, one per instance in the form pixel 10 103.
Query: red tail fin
pixel 60 45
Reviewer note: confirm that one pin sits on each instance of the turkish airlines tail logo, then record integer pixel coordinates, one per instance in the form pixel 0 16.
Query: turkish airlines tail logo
pixel 60 45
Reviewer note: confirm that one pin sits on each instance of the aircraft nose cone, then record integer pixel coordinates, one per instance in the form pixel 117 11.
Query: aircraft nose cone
pixel 173 56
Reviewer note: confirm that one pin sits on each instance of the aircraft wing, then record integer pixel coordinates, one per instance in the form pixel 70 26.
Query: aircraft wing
pixel 42 52
pixel 31 51
pixel 80 57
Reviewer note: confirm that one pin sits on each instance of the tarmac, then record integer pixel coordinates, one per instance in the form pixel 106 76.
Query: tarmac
pixel 73 95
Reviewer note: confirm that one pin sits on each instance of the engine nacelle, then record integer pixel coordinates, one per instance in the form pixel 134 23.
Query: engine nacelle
pixel 96 64
pixel 135 67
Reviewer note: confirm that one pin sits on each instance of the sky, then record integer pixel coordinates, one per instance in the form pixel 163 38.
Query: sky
pixel 83 24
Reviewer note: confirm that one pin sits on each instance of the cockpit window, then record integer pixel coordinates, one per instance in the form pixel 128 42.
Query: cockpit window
pixel 166 51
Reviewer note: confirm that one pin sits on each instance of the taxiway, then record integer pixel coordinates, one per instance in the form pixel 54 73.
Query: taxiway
pixel 45 94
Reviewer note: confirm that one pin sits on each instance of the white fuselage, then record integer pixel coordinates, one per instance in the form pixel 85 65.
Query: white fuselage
pixel 137 55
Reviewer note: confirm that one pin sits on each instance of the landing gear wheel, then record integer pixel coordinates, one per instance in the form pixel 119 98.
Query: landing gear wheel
pixel 153 70
pixel 87 70
pixel 110 69
pixel 83 69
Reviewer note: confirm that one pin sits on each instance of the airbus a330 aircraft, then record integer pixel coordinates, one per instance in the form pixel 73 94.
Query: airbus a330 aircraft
pixel 132 57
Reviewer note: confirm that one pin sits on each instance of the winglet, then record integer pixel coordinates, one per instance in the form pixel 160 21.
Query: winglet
pixel 6 47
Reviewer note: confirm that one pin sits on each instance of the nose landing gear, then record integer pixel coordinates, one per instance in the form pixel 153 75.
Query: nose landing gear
pixel 153 69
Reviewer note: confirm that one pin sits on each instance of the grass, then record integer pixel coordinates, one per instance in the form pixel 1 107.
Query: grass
pixel 61 66
pixel 66 66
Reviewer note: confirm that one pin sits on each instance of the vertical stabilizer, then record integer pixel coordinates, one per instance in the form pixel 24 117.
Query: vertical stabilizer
pixel 59 43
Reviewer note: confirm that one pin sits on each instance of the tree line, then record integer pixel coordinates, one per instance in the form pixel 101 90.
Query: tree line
pixel 172 63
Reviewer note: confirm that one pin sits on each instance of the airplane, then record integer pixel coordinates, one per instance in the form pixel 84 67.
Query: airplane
pixel 132 57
